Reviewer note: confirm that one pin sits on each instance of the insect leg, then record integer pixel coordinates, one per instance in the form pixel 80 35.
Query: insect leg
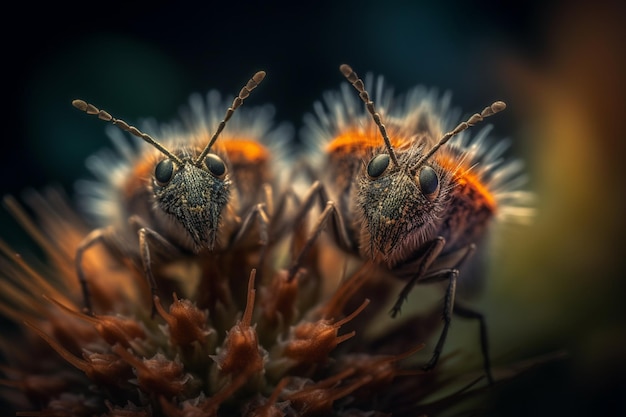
pixel 144 251
pixel 469 313
pixel 256 211
pixel 339 229
pixel 279 221
pixel 329 210
pixel 432 252
pixel 450 307
pixel 267 216
pixel 95 236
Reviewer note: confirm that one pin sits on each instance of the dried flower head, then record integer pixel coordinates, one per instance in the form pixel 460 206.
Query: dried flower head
pixel 267 347
pixel 232 335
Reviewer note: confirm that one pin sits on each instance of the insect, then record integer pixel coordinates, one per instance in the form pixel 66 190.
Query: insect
pixel 404 195
pixel 190 195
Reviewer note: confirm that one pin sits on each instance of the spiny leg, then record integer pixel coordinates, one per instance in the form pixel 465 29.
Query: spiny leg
pixel 469 313
pixel 279 222
pixel 318 190
pixel 95 236
pixel 320 225
pixel 268 216
pixel 433 251
pixel 450 274
pixel 448 307
pixel 144 233
pixel 259 213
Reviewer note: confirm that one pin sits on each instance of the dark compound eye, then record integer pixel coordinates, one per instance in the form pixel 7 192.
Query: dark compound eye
pixel 215 165
pixel 378 165
pixel 163 171
pixel 428 182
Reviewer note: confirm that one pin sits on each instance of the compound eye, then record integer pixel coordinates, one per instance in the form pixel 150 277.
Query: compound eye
pixel 163 171
pixel 215 165
pixel 378 165
pixel 428 182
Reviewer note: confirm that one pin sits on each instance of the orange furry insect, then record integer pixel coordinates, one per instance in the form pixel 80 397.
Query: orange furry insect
pixel 190 195
pixel 404 194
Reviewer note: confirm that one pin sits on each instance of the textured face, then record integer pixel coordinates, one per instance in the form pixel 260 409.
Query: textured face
pixel 399 207
pixel 194 196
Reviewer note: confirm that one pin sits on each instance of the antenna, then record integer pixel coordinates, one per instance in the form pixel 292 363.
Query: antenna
pixel 103 115
pixel 495 107
pixel 238 101
pixel 357 83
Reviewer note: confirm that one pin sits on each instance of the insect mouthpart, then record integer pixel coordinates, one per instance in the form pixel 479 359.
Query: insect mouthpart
pixel 195 199
pixel 394 211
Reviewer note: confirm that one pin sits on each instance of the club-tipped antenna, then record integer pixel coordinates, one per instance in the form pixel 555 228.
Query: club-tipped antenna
pixel 357 83
pixel 495 107
pixel 238 101
pixel 103 115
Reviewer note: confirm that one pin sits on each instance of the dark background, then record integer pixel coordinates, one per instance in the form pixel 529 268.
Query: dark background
pixel 559 65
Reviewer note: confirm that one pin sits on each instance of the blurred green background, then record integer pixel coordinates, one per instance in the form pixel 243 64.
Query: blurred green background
pixel 560 66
